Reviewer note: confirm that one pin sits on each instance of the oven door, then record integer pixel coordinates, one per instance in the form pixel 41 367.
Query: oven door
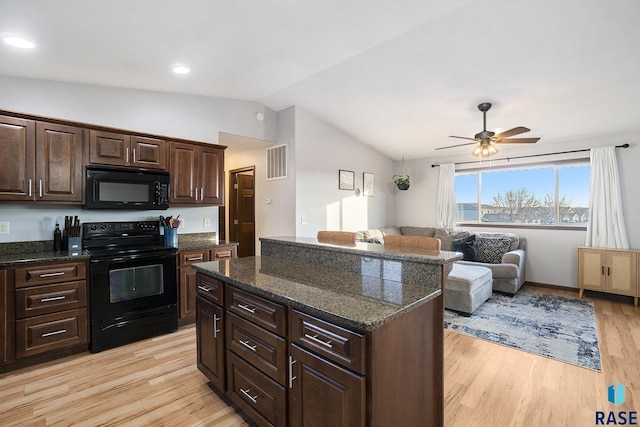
pixel 132 283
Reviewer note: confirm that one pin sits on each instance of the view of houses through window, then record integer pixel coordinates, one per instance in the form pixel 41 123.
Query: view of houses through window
pixel 550 194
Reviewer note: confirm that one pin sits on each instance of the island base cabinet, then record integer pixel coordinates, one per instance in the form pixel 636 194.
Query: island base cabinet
pixel 324 394
pixel 210 339
pixel 264 400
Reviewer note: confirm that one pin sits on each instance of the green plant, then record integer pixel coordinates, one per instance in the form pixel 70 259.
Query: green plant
pixel 401 179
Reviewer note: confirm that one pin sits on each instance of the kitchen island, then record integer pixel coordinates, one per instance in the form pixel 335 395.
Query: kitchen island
pixel 317 334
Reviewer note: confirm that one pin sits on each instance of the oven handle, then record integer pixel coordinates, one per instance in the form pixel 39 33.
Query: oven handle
pixel 143 256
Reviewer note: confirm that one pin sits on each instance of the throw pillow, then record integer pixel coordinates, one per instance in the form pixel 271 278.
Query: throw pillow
pixel 515 240
pixel 466 245
pixel 448 236
pixel 491 249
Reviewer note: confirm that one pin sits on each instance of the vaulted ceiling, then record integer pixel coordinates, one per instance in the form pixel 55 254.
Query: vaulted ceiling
pixel 398 75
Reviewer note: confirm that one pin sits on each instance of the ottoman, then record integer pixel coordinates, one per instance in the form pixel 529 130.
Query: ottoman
pixel 467 287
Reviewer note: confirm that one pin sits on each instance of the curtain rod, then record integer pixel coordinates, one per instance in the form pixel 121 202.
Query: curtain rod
pixel 531 155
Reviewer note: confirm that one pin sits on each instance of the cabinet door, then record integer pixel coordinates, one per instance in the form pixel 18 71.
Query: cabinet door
pixel 591 269
pixel 224 253
pixel 184 167
pixel 39 334
pixel 211 176
pixel 59 160
pixel 210 342
pixel 323 394
pixel 148 153
pixel 109 148
pixel 621 272
pixel 17 162
pixel 187 308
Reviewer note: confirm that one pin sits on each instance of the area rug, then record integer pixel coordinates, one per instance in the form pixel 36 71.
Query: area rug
pixel 553 326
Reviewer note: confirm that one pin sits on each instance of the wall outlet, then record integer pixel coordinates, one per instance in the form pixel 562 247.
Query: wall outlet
pixel 207 222
pixel 4 227
pixel 303 220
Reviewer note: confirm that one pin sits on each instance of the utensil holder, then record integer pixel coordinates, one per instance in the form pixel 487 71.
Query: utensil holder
pixel 171 237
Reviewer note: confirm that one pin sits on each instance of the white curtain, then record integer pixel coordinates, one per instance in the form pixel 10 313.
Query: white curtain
pixel 606 227
pixel 446 197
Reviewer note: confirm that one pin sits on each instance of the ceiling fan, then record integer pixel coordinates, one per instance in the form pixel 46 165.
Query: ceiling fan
pixel 485 141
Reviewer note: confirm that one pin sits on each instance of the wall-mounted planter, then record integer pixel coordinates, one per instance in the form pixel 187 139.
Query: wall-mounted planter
pixel 403 186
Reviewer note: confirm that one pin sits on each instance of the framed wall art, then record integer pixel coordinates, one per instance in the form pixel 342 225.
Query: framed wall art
pixel 368 183
pixel 346 180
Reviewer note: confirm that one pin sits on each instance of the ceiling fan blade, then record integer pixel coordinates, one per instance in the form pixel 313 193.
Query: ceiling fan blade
pixel 518 141
pixel 464 137
pixel 511 132
pixel 459 145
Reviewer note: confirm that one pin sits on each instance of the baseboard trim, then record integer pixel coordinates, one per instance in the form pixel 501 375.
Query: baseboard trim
pixel 550 286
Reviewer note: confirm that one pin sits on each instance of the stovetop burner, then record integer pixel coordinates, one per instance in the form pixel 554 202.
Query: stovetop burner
pixel 109 239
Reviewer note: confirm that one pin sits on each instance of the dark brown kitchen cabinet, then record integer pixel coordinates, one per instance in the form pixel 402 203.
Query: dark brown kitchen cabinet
pixel 50 308
pixel 210 330
pixel 197 174
pixel 343 393
pixel 6 318
pixel 17 162
pixel 118 149
pixel 41 161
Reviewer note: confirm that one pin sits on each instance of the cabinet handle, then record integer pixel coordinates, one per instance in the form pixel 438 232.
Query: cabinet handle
pixel 602 270
pixel 126 155
pixel 254 399
pixel 40 188
pixel 204 288
pixel 223 254
pixel 247 308
pixel 48 334
pixel 196 194
pixel 315 339
pixel 134 155
pixel 215 326
pixel 52 299
pixel 198 258
pixel 247 345
pixel 608 271
pixel 30 187
pixel 201 194
pixel 59 273
pixel 291 377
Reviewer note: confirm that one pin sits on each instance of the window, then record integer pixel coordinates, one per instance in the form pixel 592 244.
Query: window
pixel 548 194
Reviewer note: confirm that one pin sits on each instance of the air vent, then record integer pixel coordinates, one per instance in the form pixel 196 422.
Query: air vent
pixel 277 162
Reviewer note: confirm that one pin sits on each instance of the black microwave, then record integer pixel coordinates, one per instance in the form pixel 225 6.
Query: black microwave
pixel 109 187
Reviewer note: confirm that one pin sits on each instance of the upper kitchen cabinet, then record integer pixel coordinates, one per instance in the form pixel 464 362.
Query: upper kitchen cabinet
pixel 111 148
pixel 197 174
pixel 41 161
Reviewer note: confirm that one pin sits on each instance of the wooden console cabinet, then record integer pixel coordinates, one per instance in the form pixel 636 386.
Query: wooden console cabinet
pixel 613 271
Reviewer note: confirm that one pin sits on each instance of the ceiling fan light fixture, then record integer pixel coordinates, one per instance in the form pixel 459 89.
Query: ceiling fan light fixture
pixel 485 149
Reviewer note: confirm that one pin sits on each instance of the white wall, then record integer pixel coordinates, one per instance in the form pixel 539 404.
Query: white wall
pixel 320 151
pixel 191 117
pixel 552 254
pixel 278 217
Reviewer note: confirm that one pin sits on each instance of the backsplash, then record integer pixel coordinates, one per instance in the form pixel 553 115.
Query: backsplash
pixel 35 223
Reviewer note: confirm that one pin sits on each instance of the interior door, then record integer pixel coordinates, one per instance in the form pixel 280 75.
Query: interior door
pixel 242 212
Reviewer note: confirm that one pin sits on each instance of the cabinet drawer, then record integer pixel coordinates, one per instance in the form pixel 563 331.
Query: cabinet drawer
pixel 39 334
pixel 263 312
pixel 186 258
pixel 210 288
pixel 260 397
pixel 52 273
pixel 45 299
pixel 333 342
pixel 224 253
pixel 264 350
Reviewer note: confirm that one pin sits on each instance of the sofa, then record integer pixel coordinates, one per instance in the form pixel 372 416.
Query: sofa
pixel 503 253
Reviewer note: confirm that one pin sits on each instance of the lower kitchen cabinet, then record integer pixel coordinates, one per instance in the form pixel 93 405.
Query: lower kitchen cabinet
pixel 285 367
pixel 187 277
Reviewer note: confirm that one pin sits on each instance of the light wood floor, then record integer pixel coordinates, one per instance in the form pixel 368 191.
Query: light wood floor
pixel 155 382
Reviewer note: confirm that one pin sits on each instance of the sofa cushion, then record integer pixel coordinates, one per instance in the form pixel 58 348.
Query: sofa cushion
pixel 515 240
pixel 466 245
pixel 390 231
pixel 418 231
pixel 448 236
pixel 491 249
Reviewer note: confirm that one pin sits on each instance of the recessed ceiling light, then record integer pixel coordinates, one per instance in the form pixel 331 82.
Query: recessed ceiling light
pixel 18 42
pixel 181 69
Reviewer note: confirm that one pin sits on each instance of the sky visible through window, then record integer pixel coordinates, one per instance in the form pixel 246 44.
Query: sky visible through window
pixel 573 185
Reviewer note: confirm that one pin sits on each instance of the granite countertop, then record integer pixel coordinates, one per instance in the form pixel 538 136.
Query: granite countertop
pixel 372 250
pixel 15 260
pixel 351 300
